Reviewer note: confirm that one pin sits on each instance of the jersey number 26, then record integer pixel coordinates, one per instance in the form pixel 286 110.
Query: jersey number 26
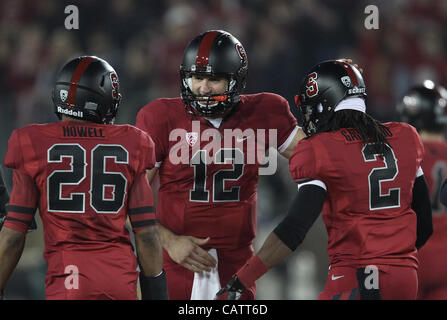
pixel 100 179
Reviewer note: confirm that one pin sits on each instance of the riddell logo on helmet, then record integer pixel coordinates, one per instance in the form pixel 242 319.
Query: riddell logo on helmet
pixel 72 113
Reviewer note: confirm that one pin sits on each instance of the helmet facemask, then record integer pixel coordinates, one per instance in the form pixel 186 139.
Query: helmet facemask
pixel 315 115
pixel 315 118
pixel 109 117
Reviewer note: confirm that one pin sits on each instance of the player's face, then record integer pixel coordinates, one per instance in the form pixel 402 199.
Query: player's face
pixel 203 86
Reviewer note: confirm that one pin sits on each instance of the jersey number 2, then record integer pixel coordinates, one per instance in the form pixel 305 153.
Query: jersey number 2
pixel 377 200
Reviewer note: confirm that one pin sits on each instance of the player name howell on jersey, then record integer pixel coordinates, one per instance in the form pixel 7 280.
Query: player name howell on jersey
pixel 82 132
pixel 222 148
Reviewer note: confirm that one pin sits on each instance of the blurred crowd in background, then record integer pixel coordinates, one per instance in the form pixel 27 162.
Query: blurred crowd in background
pixel 144 41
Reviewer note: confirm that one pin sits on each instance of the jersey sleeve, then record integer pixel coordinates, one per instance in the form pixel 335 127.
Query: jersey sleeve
pixel 419 145
pixel 151 120
pixel 14 155
pixel 22 202
pixel 303 164
pixel 282 119
pixel 148 153
pixel 141 204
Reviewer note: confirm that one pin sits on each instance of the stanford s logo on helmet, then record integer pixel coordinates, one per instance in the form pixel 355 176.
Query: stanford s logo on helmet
pixel 240 49
pixel 87 88
pixel 312 85
pixel 424 106
pixel 213 53
pixel 323 88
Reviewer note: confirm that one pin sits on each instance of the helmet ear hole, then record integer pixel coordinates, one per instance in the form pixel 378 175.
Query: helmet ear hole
pixel 102 81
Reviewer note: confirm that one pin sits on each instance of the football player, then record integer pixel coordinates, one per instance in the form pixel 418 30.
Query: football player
pixel 86 176
pixel 367 180
pixel 206 145
pixel 424 106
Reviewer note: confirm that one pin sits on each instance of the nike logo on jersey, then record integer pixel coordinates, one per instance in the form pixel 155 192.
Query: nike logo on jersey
pixel 336 277
pixel 239 139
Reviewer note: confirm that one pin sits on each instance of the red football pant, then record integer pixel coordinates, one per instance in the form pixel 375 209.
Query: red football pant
pixel 394 283
pixel 95 275
pixel 180 279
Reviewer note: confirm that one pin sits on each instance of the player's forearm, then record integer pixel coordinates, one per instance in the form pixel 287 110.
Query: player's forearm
pixel 149 251
pixel 287 236
pixel 152 277
pixel 11 248
pixel 273 251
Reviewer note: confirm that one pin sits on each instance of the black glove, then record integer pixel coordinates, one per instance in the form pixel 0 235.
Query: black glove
pixel 234 288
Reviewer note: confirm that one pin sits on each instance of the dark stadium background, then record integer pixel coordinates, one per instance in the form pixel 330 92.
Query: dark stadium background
pixel 144 41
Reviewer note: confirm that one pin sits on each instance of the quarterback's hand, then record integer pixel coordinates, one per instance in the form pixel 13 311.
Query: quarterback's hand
pixel 234 288
pixel 186 251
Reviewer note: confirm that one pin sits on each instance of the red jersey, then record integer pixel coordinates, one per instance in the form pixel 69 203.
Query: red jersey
pixel 367 211
pixel 213 191
pixel 433 256
pixel 85 178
